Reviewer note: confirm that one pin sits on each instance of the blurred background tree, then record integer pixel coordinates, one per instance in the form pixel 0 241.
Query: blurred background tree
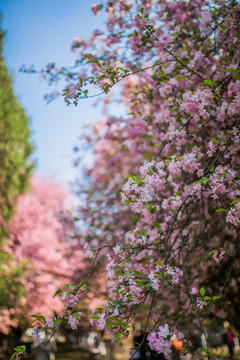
pixel 15 145
pixel 16 167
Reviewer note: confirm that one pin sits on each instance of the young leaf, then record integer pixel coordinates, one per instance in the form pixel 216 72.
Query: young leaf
pixel 235 201
pixel 215 141
pixel 117 336
pixel 213 252
pixel 59 291
pixel 209 82
pixel 180 77
pixel 94 317
pixel 236 76
pixel 76 315
pixel 39 317
pixel 231 70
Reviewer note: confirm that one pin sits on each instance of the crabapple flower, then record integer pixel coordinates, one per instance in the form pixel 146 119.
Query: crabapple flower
pixel 73 321
pixel 88 251
pixel 163 331
pixel 70 300
pixel 193 291
pixel 200 303
pixel 178 334
pixel 158 340
pixel 100 322
pixel 49 321
pixel 36 333
pixel 218 256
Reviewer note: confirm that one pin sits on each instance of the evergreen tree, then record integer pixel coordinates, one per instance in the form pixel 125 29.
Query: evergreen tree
pixel 15 145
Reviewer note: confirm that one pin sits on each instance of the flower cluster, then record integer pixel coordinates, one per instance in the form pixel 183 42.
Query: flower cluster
pixel 159 341
pixel 70 300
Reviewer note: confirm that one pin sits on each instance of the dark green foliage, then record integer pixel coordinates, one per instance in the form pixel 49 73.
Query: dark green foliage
pixel 15 144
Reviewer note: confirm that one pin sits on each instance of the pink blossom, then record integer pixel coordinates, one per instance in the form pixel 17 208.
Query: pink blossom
pixel 36 334
pixel 96 8
pixel 218 255
pixel 157 341
pixel 70 300
pixel 88 251
pixel 73 321
pixel 49 321
pixel 163 331
pixel 193 291
pixel 200 303
pixel 100 322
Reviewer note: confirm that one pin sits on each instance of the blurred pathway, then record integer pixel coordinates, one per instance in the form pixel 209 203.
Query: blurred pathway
pixel 68 353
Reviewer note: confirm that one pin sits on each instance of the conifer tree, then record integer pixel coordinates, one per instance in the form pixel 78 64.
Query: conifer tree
pixel 15 145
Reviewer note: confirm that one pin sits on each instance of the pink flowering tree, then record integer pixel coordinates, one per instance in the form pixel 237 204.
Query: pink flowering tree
pixel 161 213
pixel 38 244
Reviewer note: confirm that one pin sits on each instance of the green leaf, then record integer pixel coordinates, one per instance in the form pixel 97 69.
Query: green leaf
pixel 223 27
pixel 213 252
pixel 113 318
pixel 235 201
pixel 124 261
pixel 222 139
pixel 137 273
pixel 158 263
pixel 209 82
pixel 221 209
pixel 230 70
pixel 39 317
pixel 157 225
pixel 78 316
pixel 113 324
pixel 203 180
pixel 59 291
pixel 216 298
pixel 148 286
pixel 81 283
pixel 202 291
pixel 215 141
pixel 94 317
pixel 212 168
pixel 21 348
pixel 131 177
pixel 14 355
pixel 139 282
pixel 127 202
pixel 117 336
pixel 180 77
pixel 236 76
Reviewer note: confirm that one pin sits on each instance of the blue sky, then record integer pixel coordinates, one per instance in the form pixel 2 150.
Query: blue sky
pixel 40 32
